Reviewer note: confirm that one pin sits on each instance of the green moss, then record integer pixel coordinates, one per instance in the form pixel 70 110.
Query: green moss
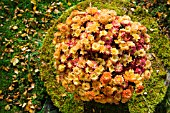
pixel 155 87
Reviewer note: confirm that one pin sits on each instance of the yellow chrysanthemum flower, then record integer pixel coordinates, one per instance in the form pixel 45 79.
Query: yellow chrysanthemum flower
pixel 70 76
pixel 135 27
pixel 147 74
pixel 77 70
pixel 57 34
pixel 102 48
pixel 87 47
pixel 57 54
pixel 90 37
pixel 124 46
pixel 118 79
pixel 103 33
pixel 94 76
pixel 64 47
pixel 109 63
pixel 63 58
pixel 99 70
pixel 108 26
pixel 140 52
pixel 85 86
pixel 75 26
pixel 114 58
pixel 95 46
pixel 130 44
pixel 76 19
pixel 69 21
pixel 76 33
pixel 92 10
pixel 148 64
pixel 114 51
pixel 136 37
pixel 76 81
pixel 111 68
pixel 61 67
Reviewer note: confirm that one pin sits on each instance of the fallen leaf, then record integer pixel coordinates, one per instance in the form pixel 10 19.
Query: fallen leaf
pixel 11 88
pixel 34 8
pixel 1 97
pixel 19 15
pixel 14 61
pixel 29 77
pixel 16 71
pixel 15 27
pixel 5 68
pixel 36 70
pixel 8 100
pixel 24 34
pixel 33 2
pixel 56 11
pixel 7 107
pixel 24 104
pixel 159 14
pixel 25 93
pixel 69 3
pixel 168 2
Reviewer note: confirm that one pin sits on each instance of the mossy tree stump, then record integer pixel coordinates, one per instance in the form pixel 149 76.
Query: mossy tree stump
pixel 155 89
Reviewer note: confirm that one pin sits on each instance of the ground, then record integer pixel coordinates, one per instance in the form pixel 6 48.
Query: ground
pixel 24 24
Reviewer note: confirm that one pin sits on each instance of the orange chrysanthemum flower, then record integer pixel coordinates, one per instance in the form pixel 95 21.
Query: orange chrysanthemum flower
pixel 106 78
pixel 127 93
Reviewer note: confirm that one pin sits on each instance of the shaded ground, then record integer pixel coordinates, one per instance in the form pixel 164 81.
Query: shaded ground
pixel 24 24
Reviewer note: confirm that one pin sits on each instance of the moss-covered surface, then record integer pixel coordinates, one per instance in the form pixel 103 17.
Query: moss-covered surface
pixel 154 88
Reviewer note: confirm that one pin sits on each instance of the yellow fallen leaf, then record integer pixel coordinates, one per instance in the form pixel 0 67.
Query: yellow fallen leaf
pixel 33 2
pixel 36 70
pixel 19 15
pixel 25 92
pixel 34 8
pixel 11 88
pixel 24 34
pixel 15 27
pixel 16 71
pixel 14 61
pixel 56 11
pixel 69 4
pixel 7 107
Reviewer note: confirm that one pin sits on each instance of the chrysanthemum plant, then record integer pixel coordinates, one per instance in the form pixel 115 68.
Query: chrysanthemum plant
pixel 95 56
pixel 101 56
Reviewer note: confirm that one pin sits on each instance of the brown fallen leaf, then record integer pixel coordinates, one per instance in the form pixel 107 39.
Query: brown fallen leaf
pixel 1 97
pixel 168 2
pixel 8 99
pixel 29 77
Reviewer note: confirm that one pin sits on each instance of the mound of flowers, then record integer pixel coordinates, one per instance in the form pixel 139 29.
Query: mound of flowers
pixel 101 56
